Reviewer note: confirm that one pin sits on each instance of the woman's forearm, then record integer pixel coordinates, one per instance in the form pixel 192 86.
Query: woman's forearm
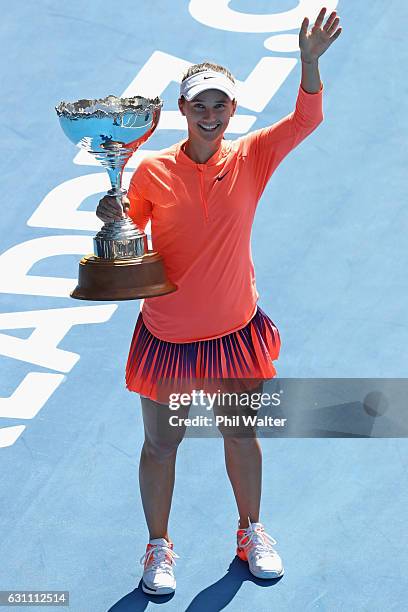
pixel 310 76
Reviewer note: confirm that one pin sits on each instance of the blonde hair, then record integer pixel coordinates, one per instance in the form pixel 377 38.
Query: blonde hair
pixel 195 68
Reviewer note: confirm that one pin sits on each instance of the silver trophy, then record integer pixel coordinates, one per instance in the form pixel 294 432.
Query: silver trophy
pixel 112 129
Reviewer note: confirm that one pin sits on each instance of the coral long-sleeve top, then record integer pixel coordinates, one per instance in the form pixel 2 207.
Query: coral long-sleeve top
pixel 201 220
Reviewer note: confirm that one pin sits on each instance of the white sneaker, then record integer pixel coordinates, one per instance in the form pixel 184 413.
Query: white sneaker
pixel 255 546
pixel 158 577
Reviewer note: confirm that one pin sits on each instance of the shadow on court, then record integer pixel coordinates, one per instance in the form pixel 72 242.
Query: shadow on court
pixel 215 597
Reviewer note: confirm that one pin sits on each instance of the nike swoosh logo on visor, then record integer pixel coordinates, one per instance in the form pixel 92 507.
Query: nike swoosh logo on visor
pixel 209 77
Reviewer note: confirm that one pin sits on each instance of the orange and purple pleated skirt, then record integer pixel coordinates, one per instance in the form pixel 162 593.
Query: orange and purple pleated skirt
pixel 155 368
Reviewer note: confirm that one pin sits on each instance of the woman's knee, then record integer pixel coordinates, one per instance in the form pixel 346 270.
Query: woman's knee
pixel 244 436
pixel 161 438
pixel 242 441
pixel 160 450
pixel 234 418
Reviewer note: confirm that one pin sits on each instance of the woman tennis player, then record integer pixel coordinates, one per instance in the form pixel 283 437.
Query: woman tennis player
pixel 201 195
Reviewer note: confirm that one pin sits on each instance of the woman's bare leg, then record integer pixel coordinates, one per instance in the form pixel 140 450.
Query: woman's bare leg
pixel 157 464
pixel 243 461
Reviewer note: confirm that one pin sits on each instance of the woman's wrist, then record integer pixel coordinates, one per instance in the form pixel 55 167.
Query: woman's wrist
pixel 309 60
pixel 310 82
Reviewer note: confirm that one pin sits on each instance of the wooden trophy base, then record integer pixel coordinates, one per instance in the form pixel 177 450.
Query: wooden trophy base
pixel 122 279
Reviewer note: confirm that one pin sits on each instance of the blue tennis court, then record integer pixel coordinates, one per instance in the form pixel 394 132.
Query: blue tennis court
pixel 330 254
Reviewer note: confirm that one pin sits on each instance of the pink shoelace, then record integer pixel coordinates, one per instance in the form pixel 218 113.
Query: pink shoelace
pixel 259 543
pixel 163 558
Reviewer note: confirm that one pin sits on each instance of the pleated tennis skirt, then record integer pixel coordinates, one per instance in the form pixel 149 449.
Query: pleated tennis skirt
pixel 155 368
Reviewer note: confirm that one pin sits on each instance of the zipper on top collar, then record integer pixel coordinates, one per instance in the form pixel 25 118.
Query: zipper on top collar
pixel 201 170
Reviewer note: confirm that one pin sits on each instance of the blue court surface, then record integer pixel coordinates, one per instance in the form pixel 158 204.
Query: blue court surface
pixel 329 247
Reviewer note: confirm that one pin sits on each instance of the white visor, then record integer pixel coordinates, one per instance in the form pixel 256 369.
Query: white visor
pixel 208 79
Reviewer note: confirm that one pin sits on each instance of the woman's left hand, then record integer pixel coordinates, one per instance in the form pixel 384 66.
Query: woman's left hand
pixel 318 40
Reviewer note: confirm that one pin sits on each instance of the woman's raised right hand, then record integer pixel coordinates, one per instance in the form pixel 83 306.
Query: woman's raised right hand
pixel 109 208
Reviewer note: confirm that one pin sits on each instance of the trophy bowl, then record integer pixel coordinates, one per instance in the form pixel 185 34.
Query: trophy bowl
pixel 112 129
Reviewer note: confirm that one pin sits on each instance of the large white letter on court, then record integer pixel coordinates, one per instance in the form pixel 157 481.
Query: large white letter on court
pixel 217 14
pixel 30 396
pixel 50 328
pixel 8 435
pixel 59 208
pixel 16 262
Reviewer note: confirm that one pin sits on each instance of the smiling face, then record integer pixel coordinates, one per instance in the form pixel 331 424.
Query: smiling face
pixel 207 115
